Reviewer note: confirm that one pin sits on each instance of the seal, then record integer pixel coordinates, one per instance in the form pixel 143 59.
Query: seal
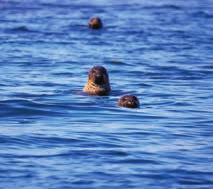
pixel 95 23
pixel 98 82
pixel 129 101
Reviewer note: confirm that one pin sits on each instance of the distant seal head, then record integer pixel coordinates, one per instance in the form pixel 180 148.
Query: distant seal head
pixel 98 82
pixel 95 23
pixel 129 101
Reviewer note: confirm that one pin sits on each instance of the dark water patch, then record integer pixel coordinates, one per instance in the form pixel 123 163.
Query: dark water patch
pixel 25 112
pixel 167 7
pixel 23 96
pixel 21 29
pixel 17 108
pixel 11 140
pixel 136 161
pixel 70 154
pixel 204 14
pixel 69 74
pixel 82 182
pixel 193 179
pixel 15 174
pixel 116 62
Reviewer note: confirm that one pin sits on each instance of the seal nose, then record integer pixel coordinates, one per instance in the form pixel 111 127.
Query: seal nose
pixel 99 79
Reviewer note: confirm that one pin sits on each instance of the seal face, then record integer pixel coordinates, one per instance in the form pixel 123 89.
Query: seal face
pixel 95 23
pixel 98 82
pixel 129 101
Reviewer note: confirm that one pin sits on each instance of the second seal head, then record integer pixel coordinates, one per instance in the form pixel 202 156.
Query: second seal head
pixel 95 23
pixel 129 101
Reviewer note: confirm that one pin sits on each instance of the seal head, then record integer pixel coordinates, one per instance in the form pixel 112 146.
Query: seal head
pixel 129 101
pixel 95 23
pixel 98 82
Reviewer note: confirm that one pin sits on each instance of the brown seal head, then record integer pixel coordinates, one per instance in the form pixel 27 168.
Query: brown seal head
pixel 129 101
pixel 98 82
pixel 95 23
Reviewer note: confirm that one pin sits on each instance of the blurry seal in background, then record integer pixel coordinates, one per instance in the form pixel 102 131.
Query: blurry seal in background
pixel 95 23
pixel 98 82
pixel 129 101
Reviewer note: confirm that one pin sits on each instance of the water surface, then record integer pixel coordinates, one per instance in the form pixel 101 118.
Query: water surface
pixel 53 136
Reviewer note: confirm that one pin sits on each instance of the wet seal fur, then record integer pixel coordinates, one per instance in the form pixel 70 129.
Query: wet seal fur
pixel 95 23
pixel 129 101
pixel 98 82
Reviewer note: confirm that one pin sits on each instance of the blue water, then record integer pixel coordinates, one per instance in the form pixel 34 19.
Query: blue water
pixel 54 136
